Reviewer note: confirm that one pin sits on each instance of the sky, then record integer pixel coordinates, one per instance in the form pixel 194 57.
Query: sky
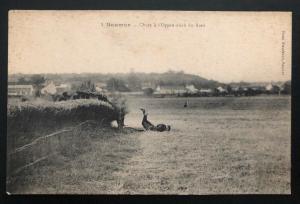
pixel 223 46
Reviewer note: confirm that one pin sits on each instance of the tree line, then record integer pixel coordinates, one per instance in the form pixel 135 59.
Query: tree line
pixel 124 82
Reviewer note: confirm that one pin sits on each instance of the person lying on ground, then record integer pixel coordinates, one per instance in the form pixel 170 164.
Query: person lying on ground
pixel 149 126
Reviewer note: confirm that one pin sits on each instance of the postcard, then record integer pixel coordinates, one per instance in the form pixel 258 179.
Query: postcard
pixel 149 102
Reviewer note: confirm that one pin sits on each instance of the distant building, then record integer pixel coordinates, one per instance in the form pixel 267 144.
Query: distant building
pixel 170 89
pixel 63 88
pixel 100 87
pixel 20 90
pixel 273 89
pixel 49 89
pixel 269 87
pixel 205 91
pixel 191 89
pixel 221 89
pixel 253 89
pixel 146 85
pixel 236 88
pixel 257 88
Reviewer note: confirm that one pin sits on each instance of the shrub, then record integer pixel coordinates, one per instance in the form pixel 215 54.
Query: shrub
pixel 28 120
pixel 148 91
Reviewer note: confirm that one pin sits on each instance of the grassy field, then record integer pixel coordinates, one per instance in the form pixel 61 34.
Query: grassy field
pixel 216 146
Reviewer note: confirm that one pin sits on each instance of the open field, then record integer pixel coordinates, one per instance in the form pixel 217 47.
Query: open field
pixel 216 145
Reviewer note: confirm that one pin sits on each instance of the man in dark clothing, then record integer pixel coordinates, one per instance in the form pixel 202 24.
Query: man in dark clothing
pixel 149 126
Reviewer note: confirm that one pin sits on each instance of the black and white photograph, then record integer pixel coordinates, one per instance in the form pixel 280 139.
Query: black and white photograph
pixel 149 102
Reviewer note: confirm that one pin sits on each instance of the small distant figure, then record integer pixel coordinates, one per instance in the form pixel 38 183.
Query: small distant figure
pixel 185 104
pixel 149 126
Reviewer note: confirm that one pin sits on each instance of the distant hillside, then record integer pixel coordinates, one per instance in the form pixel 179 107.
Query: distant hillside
pixel 265 83
pixel 136 80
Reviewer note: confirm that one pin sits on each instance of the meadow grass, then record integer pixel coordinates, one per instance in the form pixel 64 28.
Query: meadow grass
pixel 216 146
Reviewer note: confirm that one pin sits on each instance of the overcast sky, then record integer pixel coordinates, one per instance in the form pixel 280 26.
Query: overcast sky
pixel 227 46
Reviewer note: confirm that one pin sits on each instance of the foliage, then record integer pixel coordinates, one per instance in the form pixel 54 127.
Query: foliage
pixel 114 84
pixel 148 91
pixel 287 87
pixel 134 83
pixel 37 80
pixel 23 81
pixel 229 89
pixel 87 86
pixel 117 81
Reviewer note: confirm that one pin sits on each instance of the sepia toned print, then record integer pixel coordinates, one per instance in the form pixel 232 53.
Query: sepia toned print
pixel 149 102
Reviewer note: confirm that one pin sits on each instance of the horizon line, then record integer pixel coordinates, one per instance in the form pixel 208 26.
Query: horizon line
pixel 135 72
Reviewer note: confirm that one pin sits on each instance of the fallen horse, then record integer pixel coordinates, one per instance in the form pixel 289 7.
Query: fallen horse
pixel 149 126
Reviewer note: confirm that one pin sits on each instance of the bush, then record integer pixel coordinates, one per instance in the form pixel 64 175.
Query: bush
pixel 148 91
pixel 27 120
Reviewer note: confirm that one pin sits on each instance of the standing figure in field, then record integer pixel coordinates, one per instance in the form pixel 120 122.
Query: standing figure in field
pixel 185 104
pixel 149 126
